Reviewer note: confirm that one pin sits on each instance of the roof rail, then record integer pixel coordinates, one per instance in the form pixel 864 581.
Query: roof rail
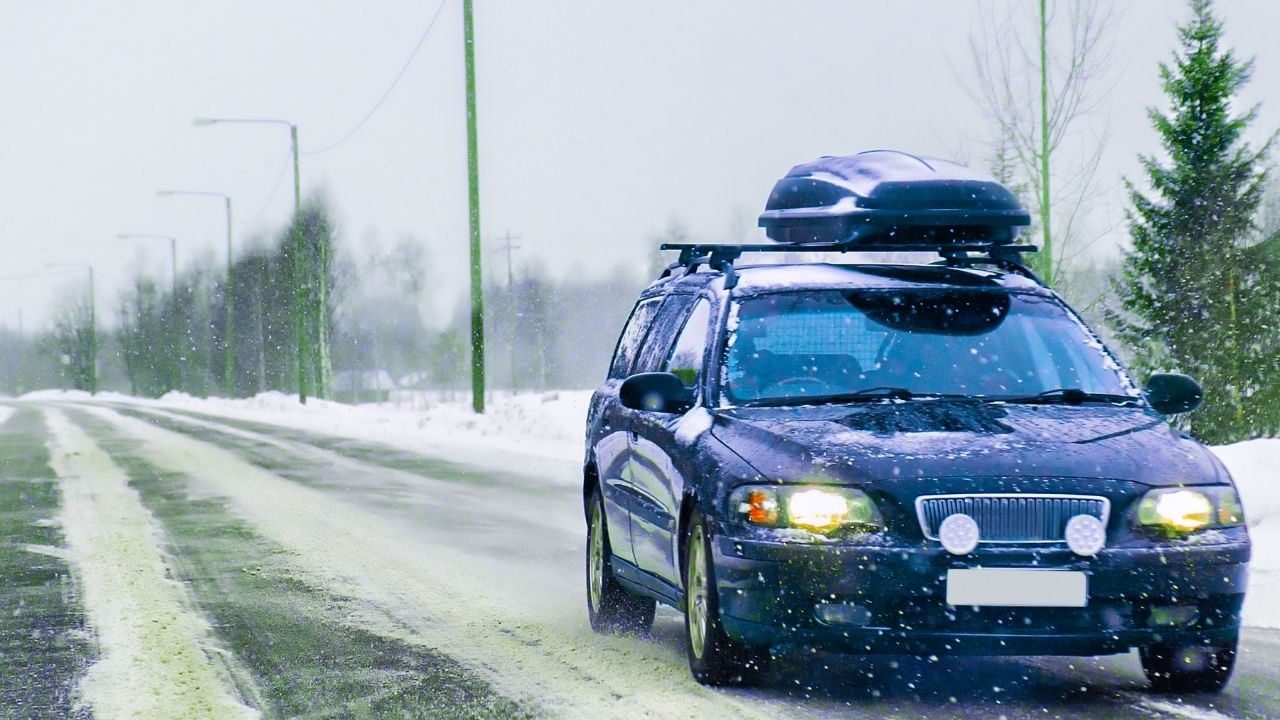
pixel 956 254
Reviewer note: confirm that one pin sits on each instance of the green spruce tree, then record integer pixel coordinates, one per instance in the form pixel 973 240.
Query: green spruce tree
pixel 1194 296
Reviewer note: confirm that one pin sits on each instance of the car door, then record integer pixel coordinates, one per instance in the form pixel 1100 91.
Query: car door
pixel 611 446
pixel 655 476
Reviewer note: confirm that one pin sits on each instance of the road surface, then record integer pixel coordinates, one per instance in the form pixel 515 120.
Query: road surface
pixel 158 559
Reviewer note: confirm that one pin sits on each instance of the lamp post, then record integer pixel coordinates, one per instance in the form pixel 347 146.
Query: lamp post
pixel 93 325
pixel 299 297
pixel 228 335
pixel 174 371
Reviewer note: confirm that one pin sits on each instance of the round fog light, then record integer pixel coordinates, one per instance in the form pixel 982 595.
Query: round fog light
pixel 1085 535
pixel 959 534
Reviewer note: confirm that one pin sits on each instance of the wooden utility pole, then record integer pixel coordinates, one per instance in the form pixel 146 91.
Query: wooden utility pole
pixel 509 247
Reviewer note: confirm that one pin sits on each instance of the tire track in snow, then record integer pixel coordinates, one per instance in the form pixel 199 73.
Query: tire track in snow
pixel 155 660
pixel 424 590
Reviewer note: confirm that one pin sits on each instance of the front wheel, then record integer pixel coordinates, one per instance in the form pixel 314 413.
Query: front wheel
pixel 610 607
pixel 1189 668
pixel 714 658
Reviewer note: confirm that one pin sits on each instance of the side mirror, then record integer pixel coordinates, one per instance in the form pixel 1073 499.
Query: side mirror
pixel 655 392
pixel 1171 393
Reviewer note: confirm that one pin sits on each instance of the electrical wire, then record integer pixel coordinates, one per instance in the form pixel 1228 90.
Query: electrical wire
pixel 421 40
pixel 284 168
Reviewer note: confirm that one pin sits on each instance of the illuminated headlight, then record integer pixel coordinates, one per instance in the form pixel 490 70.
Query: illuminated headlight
pixel 820 509
pixel 1180 511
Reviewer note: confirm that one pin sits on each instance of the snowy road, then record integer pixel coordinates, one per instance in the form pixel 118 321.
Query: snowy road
pixel 469 562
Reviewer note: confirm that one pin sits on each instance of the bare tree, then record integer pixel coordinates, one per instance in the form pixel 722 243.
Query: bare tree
pixel 1037 97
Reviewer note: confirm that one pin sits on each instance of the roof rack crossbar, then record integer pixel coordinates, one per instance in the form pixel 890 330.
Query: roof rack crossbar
pixel 689 250
pixel 722 257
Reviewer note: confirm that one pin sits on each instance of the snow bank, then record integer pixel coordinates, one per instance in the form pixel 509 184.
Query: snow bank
pixel 1254 464
pixel 547 425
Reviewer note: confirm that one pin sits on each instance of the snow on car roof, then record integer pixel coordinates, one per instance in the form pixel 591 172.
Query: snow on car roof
pixel 763 278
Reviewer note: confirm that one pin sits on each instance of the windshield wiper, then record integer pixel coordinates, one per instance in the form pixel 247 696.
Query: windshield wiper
pixel 1066 396
pixel 864 395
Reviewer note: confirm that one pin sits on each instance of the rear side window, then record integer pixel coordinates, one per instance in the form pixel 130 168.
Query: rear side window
pixel 685 361
pixel 638 324
pixel 656 348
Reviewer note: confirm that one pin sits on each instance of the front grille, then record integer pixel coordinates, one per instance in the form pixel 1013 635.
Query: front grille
pixel 1013 518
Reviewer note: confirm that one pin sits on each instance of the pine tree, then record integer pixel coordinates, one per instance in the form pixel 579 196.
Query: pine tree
pixel 1194 295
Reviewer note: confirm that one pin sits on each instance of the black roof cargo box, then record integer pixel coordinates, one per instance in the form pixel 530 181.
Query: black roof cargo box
pixel 886 197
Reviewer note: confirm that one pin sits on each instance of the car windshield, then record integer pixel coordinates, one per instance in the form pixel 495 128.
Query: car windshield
pixel 828 344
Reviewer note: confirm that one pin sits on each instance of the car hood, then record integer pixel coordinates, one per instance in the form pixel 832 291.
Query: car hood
pixel 943 439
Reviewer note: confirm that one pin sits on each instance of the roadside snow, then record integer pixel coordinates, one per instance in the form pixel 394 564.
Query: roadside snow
pixel 542 425
pixel 155 660
pixel 5 412
pixel 1255 465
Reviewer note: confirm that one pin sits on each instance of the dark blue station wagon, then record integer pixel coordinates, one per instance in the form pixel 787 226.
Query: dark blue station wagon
pixel 906 459
pixel 900 458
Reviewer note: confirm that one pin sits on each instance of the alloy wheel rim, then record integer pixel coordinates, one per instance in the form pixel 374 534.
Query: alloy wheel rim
pixel 595 580
pixel 697 592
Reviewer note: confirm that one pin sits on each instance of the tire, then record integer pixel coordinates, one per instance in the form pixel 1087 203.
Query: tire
pixel 610 607
pixel 1189 668
pixel 714 658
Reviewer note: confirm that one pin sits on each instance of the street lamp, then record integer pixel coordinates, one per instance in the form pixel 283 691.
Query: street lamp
pixel 228 342
pixel 93 324
pixel 175 369
pixel 299 299
pixel 173 254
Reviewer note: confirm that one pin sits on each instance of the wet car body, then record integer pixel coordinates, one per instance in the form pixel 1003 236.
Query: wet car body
pixel 887 591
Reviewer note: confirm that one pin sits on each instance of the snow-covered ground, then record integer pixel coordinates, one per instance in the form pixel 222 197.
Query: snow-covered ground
pixel 156 649
pixel 549 426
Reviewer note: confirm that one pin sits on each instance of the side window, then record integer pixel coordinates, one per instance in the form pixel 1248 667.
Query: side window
pixel 629 342
pixel 657 346
pixel 685 360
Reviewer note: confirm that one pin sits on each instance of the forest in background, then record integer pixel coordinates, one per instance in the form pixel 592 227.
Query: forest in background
pixel 1197 290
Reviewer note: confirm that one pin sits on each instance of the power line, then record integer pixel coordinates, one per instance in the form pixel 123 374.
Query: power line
pixel 284 167
pixel 387 93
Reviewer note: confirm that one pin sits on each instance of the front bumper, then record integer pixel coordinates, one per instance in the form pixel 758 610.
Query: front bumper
pixel 770 594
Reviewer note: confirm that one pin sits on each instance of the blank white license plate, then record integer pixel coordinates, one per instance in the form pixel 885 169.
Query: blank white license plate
pixel 1016 587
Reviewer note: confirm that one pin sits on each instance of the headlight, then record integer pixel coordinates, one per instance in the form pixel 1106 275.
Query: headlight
pixel 820 509
pixel 1179 511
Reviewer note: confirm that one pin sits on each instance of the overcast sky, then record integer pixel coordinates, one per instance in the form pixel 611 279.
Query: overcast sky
pixel 599 122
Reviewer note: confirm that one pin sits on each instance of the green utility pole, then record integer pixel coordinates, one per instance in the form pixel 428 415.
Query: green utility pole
pixel 473 183
pixel 173 371
pixel 299 276
pixel 228 341
pixel 92 349
pixel 1046 252
pixel 228 329
pixel 310 359
pixel 93 337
